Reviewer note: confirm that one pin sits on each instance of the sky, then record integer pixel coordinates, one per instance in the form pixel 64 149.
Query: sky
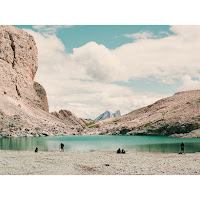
pixel 91 69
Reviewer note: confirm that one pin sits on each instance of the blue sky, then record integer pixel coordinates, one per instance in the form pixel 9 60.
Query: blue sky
pixel 110 36
pixel 134 65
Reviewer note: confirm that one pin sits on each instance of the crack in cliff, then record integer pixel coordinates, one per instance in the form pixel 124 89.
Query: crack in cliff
pixel 17 90
pixel 13 62
pixel 4 60
pixel 13 48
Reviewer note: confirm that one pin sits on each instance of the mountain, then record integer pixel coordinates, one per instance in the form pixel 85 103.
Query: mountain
pixel 117 113
pixel 24 109
pixel 178 114
pixel 107 115
pixel 70 120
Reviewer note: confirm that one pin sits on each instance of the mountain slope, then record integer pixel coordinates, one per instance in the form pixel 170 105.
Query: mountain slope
pixel 179 113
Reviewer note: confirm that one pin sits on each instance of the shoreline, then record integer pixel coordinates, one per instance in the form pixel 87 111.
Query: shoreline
pixel 96 151
pixel 97 163
pixel 182 135
pixel 187 136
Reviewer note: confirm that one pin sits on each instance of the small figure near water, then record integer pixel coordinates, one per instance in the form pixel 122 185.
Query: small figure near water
pixel 62 146
pixel 123 152
pixel 119 151
pixel 36 150
pixel 182 147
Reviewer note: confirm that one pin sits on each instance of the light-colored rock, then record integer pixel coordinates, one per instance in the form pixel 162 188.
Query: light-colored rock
pixel 70 120
pixel 23 102
pixel 96 163
pixel 18 65
pixel 29 135
pixel 43 96
pixel 176 114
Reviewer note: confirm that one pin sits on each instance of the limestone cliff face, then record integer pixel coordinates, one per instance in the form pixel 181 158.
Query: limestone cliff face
pixel 43 96
pixel 18 66
pixel 24 109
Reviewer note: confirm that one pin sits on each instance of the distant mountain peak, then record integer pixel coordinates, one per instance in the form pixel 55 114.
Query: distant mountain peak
pixel 107 114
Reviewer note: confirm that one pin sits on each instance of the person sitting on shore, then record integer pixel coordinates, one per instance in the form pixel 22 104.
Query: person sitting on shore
pixel 62 146
pixel 123 152
pixel 119 151
pixel 36 150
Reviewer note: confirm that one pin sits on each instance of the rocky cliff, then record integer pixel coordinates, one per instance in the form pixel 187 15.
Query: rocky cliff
pixel 178 114
pixel 43 96
pixel 24 109
pixel 18 66
pixel 70 120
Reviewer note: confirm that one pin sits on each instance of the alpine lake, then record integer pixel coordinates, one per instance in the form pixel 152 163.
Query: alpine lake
pixel 163 144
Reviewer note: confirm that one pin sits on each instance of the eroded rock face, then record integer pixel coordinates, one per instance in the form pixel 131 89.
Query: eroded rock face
pixel 18 66
pixel 24 110
pixel 70 120
pixel 43 96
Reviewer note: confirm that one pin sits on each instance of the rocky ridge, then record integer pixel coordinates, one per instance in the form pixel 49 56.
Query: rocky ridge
pixel 70 120
pixel 24 109
pixel 177 115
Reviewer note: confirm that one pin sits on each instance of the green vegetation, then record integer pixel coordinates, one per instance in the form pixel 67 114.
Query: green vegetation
pixel 11 125
pixel 91 123
pixel 92 126
pixel 88 124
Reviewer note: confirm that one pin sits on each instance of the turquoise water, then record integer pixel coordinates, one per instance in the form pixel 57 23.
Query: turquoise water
pixel 162 144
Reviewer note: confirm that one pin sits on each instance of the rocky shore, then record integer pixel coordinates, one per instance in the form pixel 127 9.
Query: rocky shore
pixel 97 163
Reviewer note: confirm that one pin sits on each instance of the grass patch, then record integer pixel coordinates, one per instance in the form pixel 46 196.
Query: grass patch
pixel 116 120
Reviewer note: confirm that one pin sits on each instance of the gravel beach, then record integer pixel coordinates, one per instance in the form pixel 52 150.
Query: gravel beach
pixel 97 163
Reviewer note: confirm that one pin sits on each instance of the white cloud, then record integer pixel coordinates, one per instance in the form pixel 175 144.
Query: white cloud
pixel 86 99
pixel 164 58
pixel 189 84
pixel 98 62
pixel 140 35
pixel 65 78
pixel 49 29
pixel 80 81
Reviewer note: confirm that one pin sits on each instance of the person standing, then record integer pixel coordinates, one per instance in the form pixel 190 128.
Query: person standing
pixel 182 147
pixel 62 146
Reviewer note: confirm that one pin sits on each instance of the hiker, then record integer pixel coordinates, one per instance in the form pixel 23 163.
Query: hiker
pixel 36 150
pixel 123 152
pixel 182 147
pixel 62 146
pixel 119 151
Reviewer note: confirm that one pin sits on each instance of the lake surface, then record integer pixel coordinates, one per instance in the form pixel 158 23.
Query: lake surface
pixel 162 144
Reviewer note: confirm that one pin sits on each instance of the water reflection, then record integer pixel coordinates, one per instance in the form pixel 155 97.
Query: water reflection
pixel 86 143
pixel 23 144
pixel 169 148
